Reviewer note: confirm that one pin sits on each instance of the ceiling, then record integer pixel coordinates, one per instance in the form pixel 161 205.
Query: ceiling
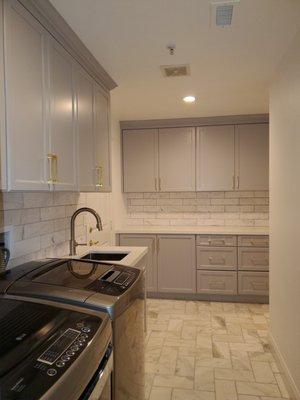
pixel 230 67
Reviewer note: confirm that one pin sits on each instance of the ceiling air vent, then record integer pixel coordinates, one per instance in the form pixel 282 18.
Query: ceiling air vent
pixel 172 71
pixel 223 13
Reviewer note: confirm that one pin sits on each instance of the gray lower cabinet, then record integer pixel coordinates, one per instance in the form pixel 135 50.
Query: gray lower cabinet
pixel 254 283
pixel 227 265
pixel 176 264
pixel 151 268
pixel 217 282
pixel 216 258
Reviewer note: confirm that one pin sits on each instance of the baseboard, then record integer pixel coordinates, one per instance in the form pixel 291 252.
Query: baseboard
pixel 287 377
pixel 209 297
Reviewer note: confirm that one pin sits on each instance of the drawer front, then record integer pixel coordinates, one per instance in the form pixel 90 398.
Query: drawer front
pixel 253 259
pixel 253 241
pixel 254 283
pixel 216 240
pixel 217 282
pixel 217 258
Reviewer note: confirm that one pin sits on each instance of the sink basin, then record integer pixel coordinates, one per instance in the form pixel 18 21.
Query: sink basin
pixel 104 256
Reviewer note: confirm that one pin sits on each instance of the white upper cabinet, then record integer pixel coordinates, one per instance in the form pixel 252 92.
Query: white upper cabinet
pixel 25 99
pixel 215 158
pixel 140 160
pixel 2 110
pixel 57 116
pixel 102 139
pixel 252 157
pixel 176 159
pixel 61 154
pixel 85 131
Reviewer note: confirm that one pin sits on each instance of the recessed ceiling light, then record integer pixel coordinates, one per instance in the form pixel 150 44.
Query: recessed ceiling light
pixel 189 99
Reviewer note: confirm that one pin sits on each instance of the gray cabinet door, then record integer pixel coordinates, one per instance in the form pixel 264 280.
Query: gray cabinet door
pixel 25 99
pixel 176 159
pixel 176 263
pixel 252 157
pixel 62 127
pixel 102 139
pixel 85 134
pixel 151 269
pixel 140 160
pixel 215 158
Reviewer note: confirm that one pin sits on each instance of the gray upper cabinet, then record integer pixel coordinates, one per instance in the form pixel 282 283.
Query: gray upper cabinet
pixel 102 139
pixel 85 130
pixel 140 168
pixel 215 158
pixel 151 268
pixel 176 159
pixel 176 264
pixel 252 157
pixel 62 155
pixel 25 42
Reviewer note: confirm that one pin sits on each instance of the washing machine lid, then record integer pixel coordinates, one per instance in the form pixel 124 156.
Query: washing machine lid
pixel 24 326
pixel 84 277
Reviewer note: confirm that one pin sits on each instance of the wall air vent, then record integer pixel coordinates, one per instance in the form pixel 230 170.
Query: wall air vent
pixel 172 71
pixel 223 13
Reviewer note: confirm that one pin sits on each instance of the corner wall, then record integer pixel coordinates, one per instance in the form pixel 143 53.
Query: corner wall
pixel 285 212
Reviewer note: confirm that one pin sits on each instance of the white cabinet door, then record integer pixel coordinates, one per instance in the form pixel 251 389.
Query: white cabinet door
pixel 176 159
pixel 102 139
pixel 215 158
pixel 85 130
pixel 2 110
pixel 176 264
pixel 252 157
pixel 151 268
pixel 25 99
pixel 140 160
pixel 61 122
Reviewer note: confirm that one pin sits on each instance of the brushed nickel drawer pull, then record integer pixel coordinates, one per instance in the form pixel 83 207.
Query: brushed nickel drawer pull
pixel 217 285
pixel 221 261
pixel 257 261
pixel 258 243
pixel 259 285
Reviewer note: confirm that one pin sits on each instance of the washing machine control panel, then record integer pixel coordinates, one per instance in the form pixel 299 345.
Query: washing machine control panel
pixel 46 365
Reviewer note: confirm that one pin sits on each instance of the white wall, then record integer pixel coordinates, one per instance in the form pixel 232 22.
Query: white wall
pixel 118 201
pixel 285 210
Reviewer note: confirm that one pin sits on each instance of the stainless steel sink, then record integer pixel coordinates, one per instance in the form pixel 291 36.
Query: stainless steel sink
pixel 96 256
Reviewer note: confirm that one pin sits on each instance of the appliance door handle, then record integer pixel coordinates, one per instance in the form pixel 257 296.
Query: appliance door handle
pixel 100 378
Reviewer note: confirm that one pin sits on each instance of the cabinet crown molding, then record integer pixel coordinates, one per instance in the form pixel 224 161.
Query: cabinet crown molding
pixel 56 25
pixel 196 121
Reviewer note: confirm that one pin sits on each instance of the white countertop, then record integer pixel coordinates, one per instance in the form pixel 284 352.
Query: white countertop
pixel 135 254
pixel 195 230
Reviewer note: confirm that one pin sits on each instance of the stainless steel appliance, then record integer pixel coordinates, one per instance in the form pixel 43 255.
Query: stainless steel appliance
pixel 54 352
pixel 116 289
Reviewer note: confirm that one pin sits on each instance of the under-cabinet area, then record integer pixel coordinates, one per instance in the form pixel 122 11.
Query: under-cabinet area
pixel 203 158
pixel 233 267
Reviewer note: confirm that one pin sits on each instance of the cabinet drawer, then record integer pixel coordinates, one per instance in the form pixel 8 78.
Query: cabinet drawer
pixel 216 240
pixel 217 258
pixel 253 259
pixel 217 282
pixel 255 241
pixel 256 283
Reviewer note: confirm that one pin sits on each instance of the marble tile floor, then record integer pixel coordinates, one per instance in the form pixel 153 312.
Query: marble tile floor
pixel 210 351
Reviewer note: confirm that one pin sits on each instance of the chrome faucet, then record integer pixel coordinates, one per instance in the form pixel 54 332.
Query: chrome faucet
pixel 73 243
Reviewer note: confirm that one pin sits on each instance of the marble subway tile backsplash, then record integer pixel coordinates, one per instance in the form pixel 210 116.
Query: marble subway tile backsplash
pixel 234 208
pixel 39 223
